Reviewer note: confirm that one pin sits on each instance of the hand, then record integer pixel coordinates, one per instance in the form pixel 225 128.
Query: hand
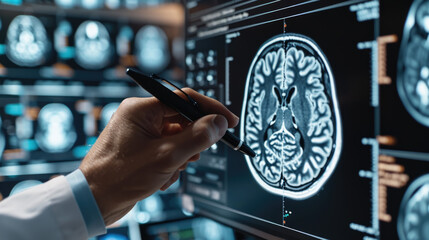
pixel 144 147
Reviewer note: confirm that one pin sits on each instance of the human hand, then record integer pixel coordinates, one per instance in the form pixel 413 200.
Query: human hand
pixel 144 147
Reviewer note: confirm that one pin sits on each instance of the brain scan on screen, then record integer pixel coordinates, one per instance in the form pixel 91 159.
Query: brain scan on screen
pixel 152 51
pixel 413 219
pixel 413 63
pixel 27 41
pixel 55 131
pixel 290 117
pixel 93 46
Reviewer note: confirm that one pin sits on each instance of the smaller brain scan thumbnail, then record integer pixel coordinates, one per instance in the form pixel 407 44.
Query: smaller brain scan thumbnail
pixel 290 117
pixel 27 43
pixel 151 49
pixel 413 219
pixel 55 130
pixel 413 63
pixel 93 45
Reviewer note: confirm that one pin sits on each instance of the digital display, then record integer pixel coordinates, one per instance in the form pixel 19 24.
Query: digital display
pixel 304 77
pixel 404 154
pixel 73 48
pixel 62 76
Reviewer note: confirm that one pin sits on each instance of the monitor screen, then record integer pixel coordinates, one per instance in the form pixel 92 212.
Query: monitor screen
pixel 333 98
pixel 404 110
pixel 62 74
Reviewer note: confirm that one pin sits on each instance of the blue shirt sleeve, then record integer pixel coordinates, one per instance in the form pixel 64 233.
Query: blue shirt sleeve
pixel 87 204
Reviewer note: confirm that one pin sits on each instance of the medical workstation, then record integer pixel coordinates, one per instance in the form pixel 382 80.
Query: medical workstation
pixel 332 96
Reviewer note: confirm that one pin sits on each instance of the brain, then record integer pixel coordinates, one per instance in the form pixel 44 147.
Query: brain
pixel 413 63
pixel 27 41
pixel 413 219
pixel 290 117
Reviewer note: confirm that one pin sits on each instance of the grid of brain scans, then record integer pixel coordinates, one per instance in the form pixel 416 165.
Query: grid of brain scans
pixel 62 77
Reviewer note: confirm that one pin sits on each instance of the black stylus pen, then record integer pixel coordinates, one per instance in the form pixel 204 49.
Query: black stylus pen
pixel 186 109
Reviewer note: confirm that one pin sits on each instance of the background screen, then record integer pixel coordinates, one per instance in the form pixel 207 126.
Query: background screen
pixel 336 147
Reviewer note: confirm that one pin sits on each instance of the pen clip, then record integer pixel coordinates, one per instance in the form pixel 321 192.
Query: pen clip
pixel 191 100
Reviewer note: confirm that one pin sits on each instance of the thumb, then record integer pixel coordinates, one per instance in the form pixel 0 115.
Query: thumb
pixel 198 136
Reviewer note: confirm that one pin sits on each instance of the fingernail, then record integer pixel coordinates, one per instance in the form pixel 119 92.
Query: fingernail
pixel 236 118
pixel 221 124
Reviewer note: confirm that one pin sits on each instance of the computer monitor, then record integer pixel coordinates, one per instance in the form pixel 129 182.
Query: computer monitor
pixel 332 96
pixel 62 74
pixel 404 156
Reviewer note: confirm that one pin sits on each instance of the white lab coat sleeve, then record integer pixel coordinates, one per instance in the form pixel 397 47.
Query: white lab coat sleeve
pixel 47 211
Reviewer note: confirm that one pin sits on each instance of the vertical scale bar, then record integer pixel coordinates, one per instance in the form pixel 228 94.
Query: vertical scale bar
pixel 374 75
pixel 282 181
pixel 374 183
pixel 227 98
pixel 375 197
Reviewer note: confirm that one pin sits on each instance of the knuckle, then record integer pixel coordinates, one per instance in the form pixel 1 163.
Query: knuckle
pixel 205 134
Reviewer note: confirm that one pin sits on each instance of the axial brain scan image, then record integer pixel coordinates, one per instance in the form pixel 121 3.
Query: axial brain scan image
pixel 152 51
pixel 55 130
pixel 27 41
pixel 93 46
pixel 413 219
pixel 290 117
pixel 413 63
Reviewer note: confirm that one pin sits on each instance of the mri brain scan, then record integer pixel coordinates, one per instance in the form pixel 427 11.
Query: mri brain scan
pixel 27 41
pixel 55 131
pixel 413 63
pixel 151 46
pixel 413 219
pixel 290 117
pixel 93 46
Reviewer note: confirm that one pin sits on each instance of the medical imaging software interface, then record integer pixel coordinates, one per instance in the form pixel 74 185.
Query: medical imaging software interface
pixel 333 96
pixel 62 77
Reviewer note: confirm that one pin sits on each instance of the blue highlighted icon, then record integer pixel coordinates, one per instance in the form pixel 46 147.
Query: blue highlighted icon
pixel 91 140
pixel 2 49
pixel 29 145
pixel 14 109
pixel 80 151
pixel 12 2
